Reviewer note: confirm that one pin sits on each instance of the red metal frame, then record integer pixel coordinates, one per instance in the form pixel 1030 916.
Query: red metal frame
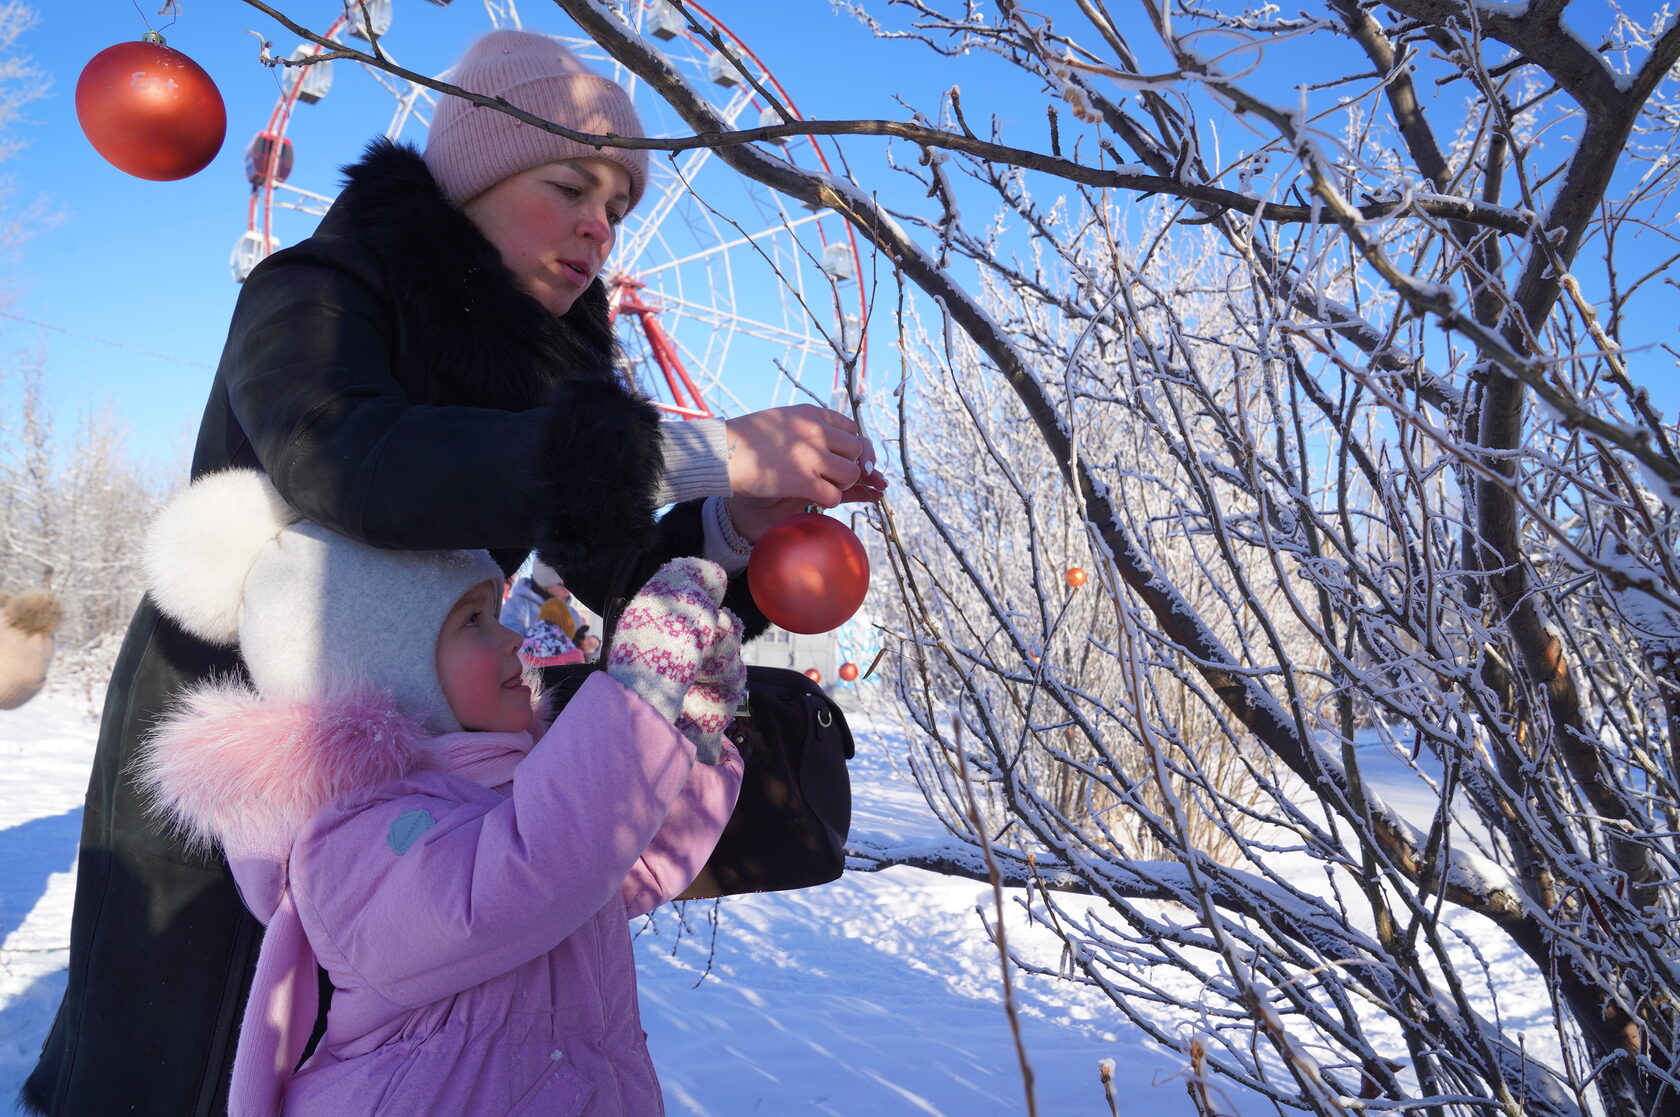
pixel 263 192
pixel 627 298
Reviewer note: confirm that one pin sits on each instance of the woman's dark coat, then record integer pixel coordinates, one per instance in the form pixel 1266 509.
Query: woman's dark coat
pixel 396 384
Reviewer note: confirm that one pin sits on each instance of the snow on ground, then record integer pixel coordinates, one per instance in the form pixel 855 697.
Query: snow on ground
pixel 45 750
pixel 877 994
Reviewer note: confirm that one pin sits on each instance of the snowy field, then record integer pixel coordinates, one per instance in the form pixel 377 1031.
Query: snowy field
pixel 877 994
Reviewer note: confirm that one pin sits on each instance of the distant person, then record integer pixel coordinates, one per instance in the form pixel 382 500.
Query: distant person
pixel 434 368
pixel 463 872
pixel 28 622
pixel 547 643
pixel 532 594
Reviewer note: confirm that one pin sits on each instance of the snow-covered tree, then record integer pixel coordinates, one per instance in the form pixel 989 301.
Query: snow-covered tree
pixel 21 83
pixel 28 528
pixel 1315 337
pixel 70 514
pixel 28 436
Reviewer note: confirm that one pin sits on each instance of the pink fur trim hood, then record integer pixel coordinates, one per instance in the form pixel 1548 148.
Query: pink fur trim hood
pixel 229 766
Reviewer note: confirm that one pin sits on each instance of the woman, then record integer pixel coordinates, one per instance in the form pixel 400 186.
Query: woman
pixel 433 369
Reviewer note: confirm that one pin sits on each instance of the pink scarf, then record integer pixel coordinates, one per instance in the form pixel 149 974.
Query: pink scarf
pixel 487 759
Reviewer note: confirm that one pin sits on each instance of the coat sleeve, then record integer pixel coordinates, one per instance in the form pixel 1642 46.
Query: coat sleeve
pixel 433 885
pixel 678 852
pixel 309 375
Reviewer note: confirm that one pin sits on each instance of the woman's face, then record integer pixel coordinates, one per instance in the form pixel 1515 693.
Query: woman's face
pixel 554 225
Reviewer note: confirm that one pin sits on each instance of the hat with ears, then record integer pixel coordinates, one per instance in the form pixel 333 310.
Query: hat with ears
pixel 471 147
pixel 312 611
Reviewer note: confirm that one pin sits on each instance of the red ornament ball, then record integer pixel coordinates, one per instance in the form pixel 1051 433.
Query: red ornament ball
pixel 849 672
pixel 150 110
pixel 808 573
pixel 813 674
pixel 1075 577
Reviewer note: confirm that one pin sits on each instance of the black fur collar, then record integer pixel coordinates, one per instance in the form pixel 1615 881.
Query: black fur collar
pixel 478 329
pixel 477 333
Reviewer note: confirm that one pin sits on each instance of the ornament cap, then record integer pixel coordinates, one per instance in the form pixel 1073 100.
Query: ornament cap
pixel 153 37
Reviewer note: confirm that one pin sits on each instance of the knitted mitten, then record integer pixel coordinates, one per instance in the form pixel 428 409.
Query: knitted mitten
pixel 665 632
pixel 719 686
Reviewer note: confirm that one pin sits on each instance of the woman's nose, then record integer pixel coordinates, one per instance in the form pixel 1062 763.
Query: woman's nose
pixel 593 223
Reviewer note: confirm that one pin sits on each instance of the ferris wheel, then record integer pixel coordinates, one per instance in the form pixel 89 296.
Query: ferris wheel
pixel 726 296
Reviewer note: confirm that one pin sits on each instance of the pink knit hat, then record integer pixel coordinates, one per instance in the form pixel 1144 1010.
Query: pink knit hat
pixel 471 148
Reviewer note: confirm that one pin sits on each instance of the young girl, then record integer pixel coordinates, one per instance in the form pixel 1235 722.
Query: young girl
pixel 394 812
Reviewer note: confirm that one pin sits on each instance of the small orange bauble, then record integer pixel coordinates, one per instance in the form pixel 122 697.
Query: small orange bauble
pixel 849 672
pixel 813 674
pixel 1075 577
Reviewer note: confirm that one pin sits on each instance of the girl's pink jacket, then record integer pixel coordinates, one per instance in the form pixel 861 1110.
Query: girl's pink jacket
pixel 471 913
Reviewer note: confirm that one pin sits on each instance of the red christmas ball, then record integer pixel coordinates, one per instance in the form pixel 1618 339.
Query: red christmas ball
pixel 150 110
pixel 1075 577
pixel 813 674
pixel 808 573
pixel 849 672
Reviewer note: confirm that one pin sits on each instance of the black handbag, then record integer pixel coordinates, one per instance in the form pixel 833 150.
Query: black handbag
pixel 789 826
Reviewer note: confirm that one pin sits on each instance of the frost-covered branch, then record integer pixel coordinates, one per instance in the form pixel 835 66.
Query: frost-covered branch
pixel 1365 698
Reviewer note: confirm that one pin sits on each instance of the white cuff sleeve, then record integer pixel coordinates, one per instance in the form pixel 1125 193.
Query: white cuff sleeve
pixel 696 461
pixel 724 545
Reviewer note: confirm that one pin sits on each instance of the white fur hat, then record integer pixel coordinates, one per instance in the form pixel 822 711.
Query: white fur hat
pixel 311 610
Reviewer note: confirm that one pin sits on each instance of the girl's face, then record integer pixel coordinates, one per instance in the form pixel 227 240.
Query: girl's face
pixel 478 665
pixel 554 225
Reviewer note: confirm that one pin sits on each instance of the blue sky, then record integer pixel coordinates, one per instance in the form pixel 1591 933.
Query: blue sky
pixel 129 294
pixel 144 265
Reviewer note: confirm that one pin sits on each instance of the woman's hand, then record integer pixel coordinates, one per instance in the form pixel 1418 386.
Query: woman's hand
pixel 789 457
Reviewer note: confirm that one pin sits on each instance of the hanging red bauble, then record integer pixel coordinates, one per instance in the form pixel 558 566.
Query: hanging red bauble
pixel 813 674
pixel 808 573
pixel 1075 577
pixel 150 110
pixel 849 672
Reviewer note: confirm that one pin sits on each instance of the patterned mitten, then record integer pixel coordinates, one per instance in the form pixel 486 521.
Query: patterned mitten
pixel 665 632
pixel 719 686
